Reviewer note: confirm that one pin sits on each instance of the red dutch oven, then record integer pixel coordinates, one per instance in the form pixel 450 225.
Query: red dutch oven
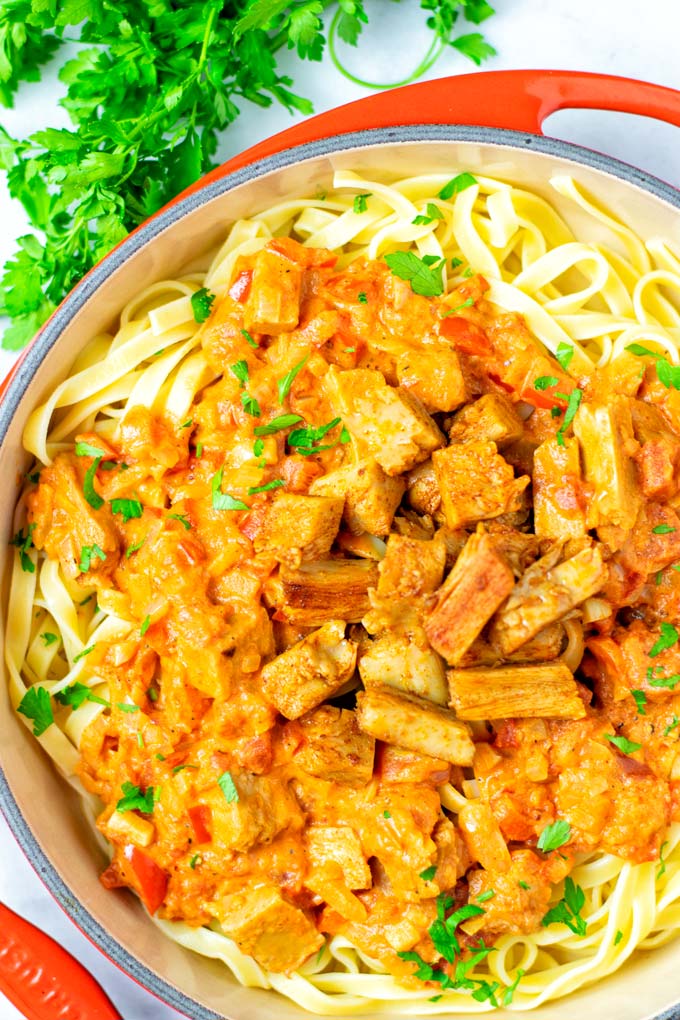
pixel 489 123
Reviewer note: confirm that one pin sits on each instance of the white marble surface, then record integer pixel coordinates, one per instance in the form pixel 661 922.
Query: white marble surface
pixel 615 36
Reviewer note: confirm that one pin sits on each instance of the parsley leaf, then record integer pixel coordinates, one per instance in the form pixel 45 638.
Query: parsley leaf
pixel 544 381
pixel 433 212
pixel 568 910
pixel 572 408
pixel 81 655
pixel 474 46
pixel 240 370
pixel 91 495
pixel 284 385
pixel 424 279
pixel 429 873
pixel 183 520
pixel 624 745
pixel 49 639
pixel 87 450
pixel 76 694
pixel 228 788
pixel 222 500
pixel 23 544
pixel 668 638
pixel 283 421
pixel 663 529
pixel 246 336
pixel 250 405
pixel 458 183
pixel 37 707
pixel 129 509
pixel 136 547
pixel 360 205
pixel 134 800
pixel 554 836
pixel 267 487
pixel 87 554
pixel 201 304
pixel 640 700
pixel 304 440
pixel 564 354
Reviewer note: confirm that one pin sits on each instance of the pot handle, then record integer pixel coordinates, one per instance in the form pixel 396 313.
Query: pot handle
pixel 516 100
pixel 42 980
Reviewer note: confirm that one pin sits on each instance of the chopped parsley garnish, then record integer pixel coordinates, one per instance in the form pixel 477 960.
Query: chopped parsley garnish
pixel 140 739
pixel 228 788
pixel 618 937
pixel 429 873
pixel 554 836
pixel 572 407
pixel 669 636
pixel 135 548
pixel 640 700
pixel 457 184
pixel 267 487
pixel 278 424
pixel 667 374
pixel 222 500
pixel 134 800
pixel 284 385
pixel 511 989
pixel 624 745
pixel 555 412
pixel 258 447
pixel 349 350
pixel 91 495
pixel 125 706
pixel 196 859
pixel 433 212
pixel 568 910
pixel 185 425
pixel 248 338
pixel 523 885
pixel 656 678
pixel 152 694
pixel 564 354
pixel 663 529
pixel 386 814
pixel 455 262
pixel 76 694
pixel 183 520
pixel 87 554
pixel 180 768
pixel 37 707
pixel 199 451
pixel 424 277
pixel 87 450
pixel 240 370
pixel 454 311
pixel 201 304
pixel 443 930
pixel 362 297
pixel 81 655
pixel 662 869
pixel 48 639
pixel 250 405
pixel 146 623
pixel 544 381
pixel 303 440
pixel 23 544
pixel 129 509
pixel 360 204
pixel 672 726
pixel 488 895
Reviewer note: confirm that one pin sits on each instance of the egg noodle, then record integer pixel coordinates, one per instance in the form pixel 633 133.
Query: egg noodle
pixel 597 297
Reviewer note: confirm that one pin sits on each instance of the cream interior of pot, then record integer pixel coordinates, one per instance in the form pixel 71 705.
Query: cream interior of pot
pixel 646 985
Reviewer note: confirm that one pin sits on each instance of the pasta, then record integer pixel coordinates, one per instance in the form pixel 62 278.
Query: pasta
pixel 591 299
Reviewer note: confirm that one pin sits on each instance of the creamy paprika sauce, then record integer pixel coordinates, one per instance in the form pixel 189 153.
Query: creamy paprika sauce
pixel 402 594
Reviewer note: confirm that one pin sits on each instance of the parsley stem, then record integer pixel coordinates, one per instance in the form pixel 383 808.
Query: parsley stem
pixel 433 54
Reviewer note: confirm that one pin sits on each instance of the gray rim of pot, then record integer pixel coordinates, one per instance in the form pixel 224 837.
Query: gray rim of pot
pixel 88 289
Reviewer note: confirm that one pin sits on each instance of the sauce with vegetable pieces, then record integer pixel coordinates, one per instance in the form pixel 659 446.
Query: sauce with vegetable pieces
pixel 402 595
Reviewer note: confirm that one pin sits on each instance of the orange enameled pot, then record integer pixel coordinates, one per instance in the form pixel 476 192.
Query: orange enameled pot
pixel 488 123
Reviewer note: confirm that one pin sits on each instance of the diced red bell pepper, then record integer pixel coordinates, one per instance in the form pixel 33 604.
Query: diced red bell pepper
pixel 240 288
pixel 548 397
pixel 464 335
pixel 201 817
pixel 151 882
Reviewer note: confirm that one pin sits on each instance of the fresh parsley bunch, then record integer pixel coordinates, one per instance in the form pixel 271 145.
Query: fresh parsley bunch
pixel 152 86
